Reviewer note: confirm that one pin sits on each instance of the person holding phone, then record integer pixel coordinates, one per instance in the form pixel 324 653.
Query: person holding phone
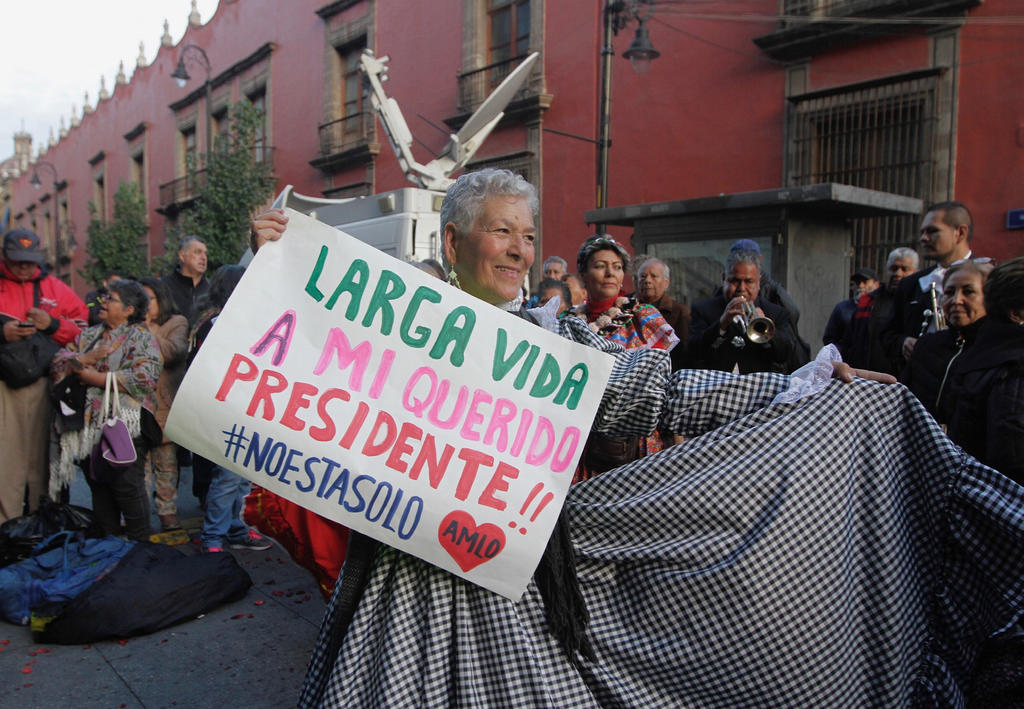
pixel 31 301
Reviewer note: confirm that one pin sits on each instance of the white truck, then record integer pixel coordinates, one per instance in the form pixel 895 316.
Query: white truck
pixel 406 223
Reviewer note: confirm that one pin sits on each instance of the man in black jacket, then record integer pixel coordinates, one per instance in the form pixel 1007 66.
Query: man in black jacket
pixel 718 338
pixel 773 292
pixel 862 342
pixel 188 283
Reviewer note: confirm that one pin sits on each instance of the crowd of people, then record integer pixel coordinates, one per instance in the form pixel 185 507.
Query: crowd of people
pixel 130 340
pixel 916 324
pixel 778 551
pixel 922 325
pixel 728 537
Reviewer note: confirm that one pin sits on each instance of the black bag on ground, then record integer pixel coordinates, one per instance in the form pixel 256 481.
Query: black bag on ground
pixel 152 587
pixel 19 536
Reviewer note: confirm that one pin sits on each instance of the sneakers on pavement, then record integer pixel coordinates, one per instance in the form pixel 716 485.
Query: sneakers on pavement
pixel 253 542
pixel 211 550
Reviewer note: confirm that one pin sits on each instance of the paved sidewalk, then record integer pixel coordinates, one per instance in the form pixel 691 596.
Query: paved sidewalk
pixel 250 653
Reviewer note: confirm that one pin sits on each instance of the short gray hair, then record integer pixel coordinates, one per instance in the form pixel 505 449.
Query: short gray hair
pixel 189 239
pixel 559 260
pixel 902 252
pixel 465 199
pixel 738 257
pixel 652 259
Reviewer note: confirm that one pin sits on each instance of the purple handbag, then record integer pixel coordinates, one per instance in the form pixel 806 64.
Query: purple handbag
pixel 115 448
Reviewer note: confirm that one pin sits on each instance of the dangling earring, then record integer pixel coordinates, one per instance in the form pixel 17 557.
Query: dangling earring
pixel 453 278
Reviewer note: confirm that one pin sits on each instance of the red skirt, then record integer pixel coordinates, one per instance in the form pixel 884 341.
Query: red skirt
pixel 315 543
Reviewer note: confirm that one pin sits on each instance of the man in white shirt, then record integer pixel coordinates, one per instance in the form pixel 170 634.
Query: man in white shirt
pixel 945 235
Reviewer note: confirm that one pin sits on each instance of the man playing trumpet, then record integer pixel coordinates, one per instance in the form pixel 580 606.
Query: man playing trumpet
pixel 739 332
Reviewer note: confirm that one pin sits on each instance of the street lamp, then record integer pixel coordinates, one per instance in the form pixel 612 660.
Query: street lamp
pixel 641 51
pixel 181 75
pixel 617 16
pixel 55 209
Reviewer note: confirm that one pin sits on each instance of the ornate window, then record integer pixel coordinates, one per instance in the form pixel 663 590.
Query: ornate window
pixel 508 30
pixel 188 147
pixel 878 134
pixel 496 36
pixel 261 146
pixel 99 193
pixel 348 128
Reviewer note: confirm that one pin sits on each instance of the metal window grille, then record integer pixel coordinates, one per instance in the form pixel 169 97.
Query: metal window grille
pixel 878 135
pixel 520 163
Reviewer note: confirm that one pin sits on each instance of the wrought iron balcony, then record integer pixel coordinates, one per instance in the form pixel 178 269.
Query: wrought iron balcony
pixel 347 133
pixel 809 26
pixel 179 192
pixel 66 245
pixel 264 154
pixel 350 140
pixel 475 85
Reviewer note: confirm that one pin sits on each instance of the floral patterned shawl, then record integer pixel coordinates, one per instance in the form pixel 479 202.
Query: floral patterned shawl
pixel 136 360
pixel 631 324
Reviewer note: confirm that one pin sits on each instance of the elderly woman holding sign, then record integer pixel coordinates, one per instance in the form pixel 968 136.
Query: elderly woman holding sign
pixel 765 561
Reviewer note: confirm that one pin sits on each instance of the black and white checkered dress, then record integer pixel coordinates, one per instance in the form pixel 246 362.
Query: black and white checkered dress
pixel 838 551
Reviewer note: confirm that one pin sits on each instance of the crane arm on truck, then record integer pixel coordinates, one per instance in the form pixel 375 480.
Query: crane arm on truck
pixel 437 174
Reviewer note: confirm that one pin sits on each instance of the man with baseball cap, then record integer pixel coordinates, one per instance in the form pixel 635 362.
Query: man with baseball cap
pixel 865 280
pixel 31 302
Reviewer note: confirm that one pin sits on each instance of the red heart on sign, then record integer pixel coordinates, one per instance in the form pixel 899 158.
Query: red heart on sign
pixel 468 543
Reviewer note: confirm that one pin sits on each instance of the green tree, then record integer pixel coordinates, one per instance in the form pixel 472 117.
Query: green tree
pixel 118 245
pixel 234 182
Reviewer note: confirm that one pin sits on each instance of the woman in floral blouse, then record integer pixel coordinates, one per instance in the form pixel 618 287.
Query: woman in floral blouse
pixel 120 344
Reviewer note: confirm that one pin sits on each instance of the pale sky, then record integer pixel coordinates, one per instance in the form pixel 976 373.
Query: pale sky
pixel 53 51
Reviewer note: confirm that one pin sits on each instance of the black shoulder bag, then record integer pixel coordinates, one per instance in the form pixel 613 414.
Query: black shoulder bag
pixel 24 361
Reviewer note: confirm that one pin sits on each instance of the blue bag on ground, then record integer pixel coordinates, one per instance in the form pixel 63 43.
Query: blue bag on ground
pixel 59 574
pixel 153 586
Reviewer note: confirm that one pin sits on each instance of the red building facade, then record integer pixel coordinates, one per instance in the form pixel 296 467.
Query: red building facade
pixel 915 97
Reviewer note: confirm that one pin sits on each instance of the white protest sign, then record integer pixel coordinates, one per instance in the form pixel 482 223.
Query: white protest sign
pixel 361 388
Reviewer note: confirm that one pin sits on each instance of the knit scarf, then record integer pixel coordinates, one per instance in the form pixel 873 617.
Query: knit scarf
pixel 596 307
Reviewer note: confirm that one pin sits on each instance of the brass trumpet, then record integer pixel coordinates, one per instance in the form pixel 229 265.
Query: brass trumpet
pixel 933 316
pixel 758 329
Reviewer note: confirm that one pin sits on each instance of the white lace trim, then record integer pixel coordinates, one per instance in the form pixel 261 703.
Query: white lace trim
pixel 513 305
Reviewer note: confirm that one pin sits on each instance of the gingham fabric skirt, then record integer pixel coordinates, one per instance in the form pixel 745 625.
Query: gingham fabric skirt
pixel 839 552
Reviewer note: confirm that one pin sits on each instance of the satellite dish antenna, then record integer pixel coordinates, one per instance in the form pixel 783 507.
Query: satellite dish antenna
pixel 465 143
pixel 461 146
pixel 303 203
